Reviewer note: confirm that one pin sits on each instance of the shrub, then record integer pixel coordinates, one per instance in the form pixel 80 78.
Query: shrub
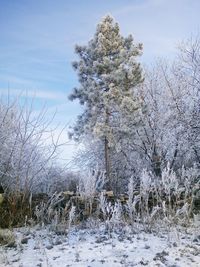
pixel 7 237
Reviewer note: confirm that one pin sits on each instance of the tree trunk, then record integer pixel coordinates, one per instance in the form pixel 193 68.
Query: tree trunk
pixel 107 163
pixel 156 162
pixel 107 155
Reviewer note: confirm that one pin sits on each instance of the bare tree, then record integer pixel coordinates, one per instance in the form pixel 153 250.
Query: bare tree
pixel 28 147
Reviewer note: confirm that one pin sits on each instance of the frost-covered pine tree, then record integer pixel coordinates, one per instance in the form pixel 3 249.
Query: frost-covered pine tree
pixel 108 72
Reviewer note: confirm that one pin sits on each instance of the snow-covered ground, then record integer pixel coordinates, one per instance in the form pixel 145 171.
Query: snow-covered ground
pixel 99 247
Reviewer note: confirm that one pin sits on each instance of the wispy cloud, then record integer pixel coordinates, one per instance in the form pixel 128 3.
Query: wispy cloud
pixel 138 6
pixel 41 94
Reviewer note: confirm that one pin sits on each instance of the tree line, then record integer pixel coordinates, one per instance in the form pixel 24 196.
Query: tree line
pixel 136 118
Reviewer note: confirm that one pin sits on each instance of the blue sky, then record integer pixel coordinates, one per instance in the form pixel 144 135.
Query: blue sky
pixel 37 39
